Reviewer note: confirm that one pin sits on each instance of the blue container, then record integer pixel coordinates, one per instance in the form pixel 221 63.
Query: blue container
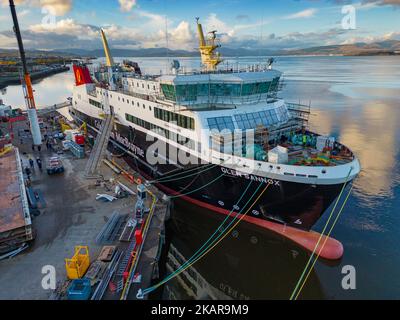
pixel 77 150
pixel 80 289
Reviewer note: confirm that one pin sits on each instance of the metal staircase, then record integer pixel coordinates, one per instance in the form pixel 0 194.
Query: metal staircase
pixel 99 148
pixel 125 260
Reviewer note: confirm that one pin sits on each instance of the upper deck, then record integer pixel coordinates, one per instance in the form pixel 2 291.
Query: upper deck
pixel 220 89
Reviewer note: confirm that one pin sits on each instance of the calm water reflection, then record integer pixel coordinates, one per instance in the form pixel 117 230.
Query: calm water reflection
pixel 354 99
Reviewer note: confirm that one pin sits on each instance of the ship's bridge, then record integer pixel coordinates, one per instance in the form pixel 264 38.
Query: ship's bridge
pixel 219 89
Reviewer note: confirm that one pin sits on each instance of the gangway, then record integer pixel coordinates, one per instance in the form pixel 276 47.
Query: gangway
pixel 99 148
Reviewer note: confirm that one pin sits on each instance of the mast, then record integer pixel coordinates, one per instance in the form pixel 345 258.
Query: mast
pixel 26 82
pixel 109 59
pixel 209 57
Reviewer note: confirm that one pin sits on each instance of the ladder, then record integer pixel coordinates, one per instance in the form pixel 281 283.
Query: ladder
pixel 99 148
pixel 124 263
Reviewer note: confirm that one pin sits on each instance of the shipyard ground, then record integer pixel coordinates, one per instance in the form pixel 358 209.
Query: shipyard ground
pixel 71 217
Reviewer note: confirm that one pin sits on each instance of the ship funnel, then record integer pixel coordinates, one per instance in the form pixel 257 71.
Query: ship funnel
pixel 109 58
pixel 201 33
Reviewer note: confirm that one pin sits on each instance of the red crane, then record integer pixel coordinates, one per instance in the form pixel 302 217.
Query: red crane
pixel 26 82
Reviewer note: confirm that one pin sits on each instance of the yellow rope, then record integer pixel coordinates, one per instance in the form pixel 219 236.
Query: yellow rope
pixel 320 237
pixel 222 238
pixel 324 243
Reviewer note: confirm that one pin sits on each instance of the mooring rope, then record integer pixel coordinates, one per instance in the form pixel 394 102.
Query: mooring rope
pixel 168 178
pixel 320 237
pixel 198 189
pixel 202 252
pixel 326 239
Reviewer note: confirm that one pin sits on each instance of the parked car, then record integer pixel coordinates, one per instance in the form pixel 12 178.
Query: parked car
pixel 55 166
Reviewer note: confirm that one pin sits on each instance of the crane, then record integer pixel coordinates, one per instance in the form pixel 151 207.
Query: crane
pixel 26 82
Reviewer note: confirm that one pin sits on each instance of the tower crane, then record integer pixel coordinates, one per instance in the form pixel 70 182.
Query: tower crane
pixel 26 82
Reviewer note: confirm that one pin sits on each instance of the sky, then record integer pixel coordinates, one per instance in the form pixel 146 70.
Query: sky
pixel 251 24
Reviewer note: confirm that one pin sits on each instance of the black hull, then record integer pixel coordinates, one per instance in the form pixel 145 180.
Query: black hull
pixel 295 204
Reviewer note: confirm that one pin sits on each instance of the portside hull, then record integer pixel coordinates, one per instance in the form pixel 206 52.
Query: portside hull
pixel 219 189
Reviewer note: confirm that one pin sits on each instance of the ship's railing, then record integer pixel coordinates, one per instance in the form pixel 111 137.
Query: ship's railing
pixel 300 112
pixel 139 95
pixel 228 69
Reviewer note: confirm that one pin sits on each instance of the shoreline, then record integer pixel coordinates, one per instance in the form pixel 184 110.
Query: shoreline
pixel 4 83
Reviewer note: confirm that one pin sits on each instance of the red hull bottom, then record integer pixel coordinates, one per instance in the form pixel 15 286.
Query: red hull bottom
pixel 332 250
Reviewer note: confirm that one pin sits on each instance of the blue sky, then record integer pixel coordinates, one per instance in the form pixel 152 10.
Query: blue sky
pixel 279 24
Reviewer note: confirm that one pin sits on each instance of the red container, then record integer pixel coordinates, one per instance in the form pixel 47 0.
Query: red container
pixel 79 139
pixel 138 237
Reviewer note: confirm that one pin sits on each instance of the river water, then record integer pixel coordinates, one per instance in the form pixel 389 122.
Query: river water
pixel 356 99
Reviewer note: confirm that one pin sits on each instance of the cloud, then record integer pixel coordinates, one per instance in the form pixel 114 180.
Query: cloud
pixel 126 5
pixel 67 33
pixel 57 7
pixel 7 41
pixel 149 32
pixel 4 18
pixel 54 7
pixel 23 13
pixel 368 4
pixel 393 35
pixel 383 2
pixel 242 17
pixel 308 13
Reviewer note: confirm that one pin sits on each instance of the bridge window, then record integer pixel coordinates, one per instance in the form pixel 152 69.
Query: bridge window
pixel 169 91
pixel 249 121
pixel 95 103
pixel 168 116
pixel 221 123
pixel 185 141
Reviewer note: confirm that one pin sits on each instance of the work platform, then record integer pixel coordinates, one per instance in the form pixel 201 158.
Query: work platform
pixel 15 220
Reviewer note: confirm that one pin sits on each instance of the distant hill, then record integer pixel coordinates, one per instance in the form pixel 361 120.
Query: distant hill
pixel 389 47
pixel 357 49
pixel 38 53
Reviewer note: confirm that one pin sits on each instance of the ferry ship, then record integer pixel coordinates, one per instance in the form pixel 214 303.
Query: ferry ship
pixel 222 127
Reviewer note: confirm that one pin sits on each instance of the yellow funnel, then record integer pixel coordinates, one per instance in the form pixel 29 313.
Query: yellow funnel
pixel 109 58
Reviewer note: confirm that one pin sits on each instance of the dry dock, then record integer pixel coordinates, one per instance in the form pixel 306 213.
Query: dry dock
pixel 70 216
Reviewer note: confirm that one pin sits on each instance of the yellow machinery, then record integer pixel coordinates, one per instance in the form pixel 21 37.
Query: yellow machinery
pixel 5 150
pixel 64 126
pixel 209 57
pixel 77 266
pixel 83 128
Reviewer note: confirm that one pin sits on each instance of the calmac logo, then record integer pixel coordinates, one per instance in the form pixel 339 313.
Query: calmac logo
pixel 78 76
pixel 82 75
